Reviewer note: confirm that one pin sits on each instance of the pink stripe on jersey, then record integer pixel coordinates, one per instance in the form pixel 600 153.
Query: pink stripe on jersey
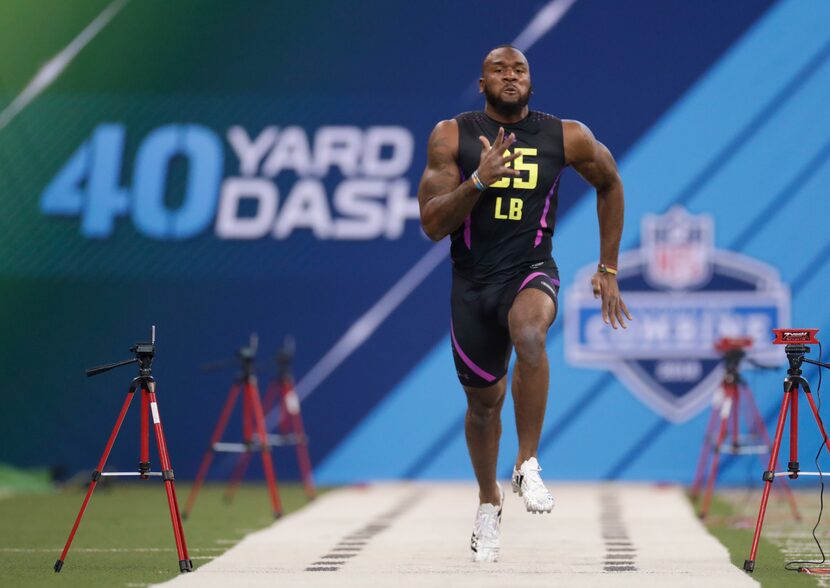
pixel 468 237
pixel 530 277
pixel 543 222
pixel 469 362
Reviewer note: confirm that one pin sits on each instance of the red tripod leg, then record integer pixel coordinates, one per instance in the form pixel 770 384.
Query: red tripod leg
pixel 244 459
pixel 736 413
pixel 247 428
pixel 793 465
pixel 185 564
pixel 144 460
pixel 215 438
pixel 267 463
pixel 757 422
pixel 285 421
pixel 96 475
pixel 749 564
pixel 725 411
pixel 291 406
pixel 703 460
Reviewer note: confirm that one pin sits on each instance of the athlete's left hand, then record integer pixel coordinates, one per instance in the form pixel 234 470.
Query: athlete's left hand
pixel 605 286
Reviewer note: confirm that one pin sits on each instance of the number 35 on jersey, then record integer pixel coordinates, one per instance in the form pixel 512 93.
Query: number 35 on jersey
pixel 512 209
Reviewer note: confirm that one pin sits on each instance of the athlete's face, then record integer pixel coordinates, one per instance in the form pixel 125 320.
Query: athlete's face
pixel 505 80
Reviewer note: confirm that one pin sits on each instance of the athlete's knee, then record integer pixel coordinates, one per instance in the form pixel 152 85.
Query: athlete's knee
pixel 482 416
pixel 529 341
pixel 484 409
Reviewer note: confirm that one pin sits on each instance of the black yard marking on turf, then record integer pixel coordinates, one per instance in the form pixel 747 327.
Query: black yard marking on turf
pixel 338 555
pixel 619 551
pixel 352 544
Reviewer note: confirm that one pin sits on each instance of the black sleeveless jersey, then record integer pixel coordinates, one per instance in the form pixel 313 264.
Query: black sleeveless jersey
pixel 511 225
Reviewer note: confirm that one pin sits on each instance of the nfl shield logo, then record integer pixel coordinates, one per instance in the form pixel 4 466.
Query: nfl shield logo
pixel 684 295
pixel 677 248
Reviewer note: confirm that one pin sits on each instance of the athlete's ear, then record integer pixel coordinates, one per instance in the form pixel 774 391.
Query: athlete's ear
pixel 481 85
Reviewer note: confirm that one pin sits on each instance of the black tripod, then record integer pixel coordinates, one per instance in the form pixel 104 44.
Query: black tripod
pixel 145 382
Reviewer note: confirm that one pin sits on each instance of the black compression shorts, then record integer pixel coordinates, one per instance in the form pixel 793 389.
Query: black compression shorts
pixel 479 331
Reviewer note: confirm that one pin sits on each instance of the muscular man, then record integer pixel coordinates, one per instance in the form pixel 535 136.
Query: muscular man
pixel 491 184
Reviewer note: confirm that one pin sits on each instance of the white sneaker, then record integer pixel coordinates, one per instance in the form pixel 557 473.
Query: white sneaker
pixel 486 537
pixel 529 485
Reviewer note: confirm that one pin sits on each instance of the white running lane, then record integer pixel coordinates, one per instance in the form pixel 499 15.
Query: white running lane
pixel 418 535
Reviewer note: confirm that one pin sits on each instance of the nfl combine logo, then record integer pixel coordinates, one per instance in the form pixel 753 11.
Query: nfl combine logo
pixel 684 295
pixel 678 249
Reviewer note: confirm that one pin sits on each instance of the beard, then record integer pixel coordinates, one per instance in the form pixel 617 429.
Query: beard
pixel 504 107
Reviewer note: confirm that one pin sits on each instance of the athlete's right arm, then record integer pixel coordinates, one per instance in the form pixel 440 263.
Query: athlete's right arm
pixel 444 199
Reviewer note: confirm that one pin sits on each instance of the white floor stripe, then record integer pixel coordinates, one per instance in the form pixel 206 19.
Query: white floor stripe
pixel 418 535
pixel 57 549
pixel 53 68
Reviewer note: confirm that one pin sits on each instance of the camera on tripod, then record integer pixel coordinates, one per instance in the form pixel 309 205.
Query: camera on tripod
pixel 725 344
pixel 143 349
pixel 795 337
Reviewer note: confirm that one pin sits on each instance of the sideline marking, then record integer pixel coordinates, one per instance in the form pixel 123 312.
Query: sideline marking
pixel 107 549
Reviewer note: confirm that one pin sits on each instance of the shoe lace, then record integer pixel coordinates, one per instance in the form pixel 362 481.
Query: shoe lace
pixel 487 524
pixel 533 480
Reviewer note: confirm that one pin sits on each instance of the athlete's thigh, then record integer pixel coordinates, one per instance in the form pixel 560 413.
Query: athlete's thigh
pixel 481 346
pixel 532 299
pixel 531 309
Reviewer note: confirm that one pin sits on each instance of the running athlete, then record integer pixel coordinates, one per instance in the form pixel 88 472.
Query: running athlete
pixel 491 184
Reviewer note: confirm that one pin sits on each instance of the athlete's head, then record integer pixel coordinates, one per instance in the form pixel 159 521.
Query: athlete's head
pixel 505 80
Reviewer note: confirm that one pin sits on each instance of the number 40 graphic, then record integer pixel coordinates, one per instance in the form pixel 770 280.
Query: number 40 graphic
pixel 89 183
